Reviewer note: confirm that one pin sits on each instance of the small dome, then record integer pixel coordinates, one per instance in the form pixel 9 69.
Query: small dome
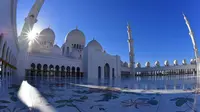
pixel 121 63
pixel 192 61
pixel 147 64
pixel 184 62
pixel 125 64
pixel 56 49
pixel 166 63
pixel 95 45
pixel 195 61
pixel 138 65
pixel 47 35
pixel 75 37
pixel 175 62
pixel 157 63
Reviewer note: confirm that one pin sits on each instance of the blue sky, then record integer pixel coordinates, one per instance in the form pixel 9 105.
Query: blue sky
pixel 158 28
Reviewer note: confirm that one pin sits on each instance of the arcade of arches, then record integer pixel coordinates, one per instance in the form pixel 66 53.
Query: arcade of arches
pixel 51 70
pixel 168 72
pixel 7 59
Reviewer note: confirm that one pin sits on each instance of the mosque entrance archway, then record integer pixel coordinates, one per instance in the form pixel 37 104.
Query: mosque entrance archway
pixel 99 72
pixel 45 69
pixel 107 71
pixel 73 71
pixel 62 71
pixel 32 69
pixel 68 71
pixel 78 72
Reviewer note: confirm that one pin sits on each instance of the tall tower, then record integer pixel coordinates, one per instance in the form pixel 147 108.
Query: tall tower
pixel 131 51
pixel 23 38
pixel 29 23
pixel 192 37
pixel 194 45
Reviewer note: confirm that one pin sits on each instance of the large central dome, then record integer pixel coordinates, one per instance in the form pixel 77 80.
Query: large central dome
pixel 75 37
pixel 47 35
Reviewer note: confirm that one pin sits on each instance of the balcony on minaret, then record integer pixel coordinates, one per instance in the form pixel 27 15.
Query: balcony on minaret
pixel 130 40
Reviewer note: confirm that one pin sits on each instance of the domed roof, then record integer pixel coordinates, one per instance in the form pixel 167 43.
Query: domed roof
pixel 192 61
pixel 147 64
pixel 175 62
pixel 95 45
pixel 138 65
pixel 125 64
pixel 75 37
pixel 47 35
pixel 122 63
pixel 184 62
pixel 157 63
pixel 166 63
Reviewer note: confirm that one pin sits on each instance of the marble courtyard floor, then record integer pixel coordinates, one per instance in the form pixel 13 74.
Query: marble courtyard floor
pixel 139 94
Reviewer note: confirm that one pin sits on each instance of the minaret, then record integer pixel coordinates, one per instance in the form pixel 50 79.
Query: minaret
pixel 131 51
pixel 29 23
pixel 192 37
pixel 23 41
pixel 194 45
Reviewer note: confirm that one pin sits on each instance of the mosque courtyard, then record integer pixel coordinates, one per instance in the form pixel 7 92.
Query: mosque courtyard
pixel 177 93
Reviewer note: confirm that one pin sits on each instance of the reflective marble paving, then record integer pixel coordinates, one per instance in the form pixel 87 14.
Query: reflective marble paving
pixel 138 94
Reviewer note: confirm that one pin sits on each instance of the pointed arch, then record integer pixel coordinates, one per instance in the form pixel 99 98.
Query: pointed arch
pixel 1 42
pixel 32 69
pixel 107 71
pixel 7 54
pixel 78 71
pixel 39 68
pixel 113 73
pixel 3 50
pixel 45 67
pixel 99 72
pixel 67 50
pixel 63 50
pixel 33 66
pixel 73 71
pixel 68 71
pixel 51 70
pixel 63 71
pixel 57 70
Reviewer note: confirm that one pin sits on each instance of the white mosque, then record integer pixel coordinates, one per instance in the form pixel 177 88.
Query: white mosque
pixel 42 57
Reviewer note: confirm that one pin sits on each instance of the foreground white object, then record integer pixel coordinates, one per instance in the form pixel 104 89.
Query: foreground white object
pixel 32 98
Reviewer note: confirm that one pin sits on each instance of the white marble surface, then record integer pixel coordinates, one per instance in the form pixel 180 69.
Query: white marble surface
pixel 118 95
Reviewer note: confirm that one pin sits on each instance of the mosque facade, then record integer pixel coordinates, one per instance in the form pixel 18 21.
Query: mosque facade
pixel 75 58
